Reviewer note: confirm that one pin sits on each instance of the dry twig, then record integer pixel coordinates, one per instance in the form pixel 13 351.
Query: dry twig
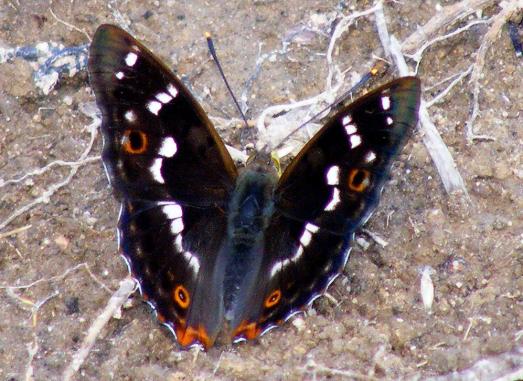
pixel 509 8
pixel 127 286
pixel 449 15
pixel 452 180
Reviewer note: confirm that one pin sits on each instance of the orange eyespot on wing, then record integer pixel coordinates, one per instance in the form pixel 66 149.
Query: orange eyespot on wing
pixel 273 299
pixel 134 142
pixel 359 180
pixel 181 296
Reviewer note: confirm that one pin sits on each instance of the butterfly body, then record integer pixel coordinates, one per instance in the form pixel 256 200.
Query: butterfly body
pixel 220 252
pixel 250 209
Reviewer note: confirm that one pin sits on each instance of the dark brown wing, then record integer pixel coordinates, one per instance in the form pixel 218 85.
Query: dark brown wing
pixel 327 192
pixel 174 176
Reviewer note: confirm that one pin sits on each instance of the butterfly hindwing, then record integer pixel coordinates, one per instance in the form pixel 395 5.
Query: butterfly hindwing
pixel 174 178
pixel 326 193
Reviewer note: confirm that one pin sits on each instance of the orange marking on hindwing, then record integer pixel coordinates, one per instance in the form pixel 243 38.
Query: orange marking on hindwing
pixel 359 180
pixel 273 299
pixel 181 296
pixel 188 335
pixel 249 330
pixel 134 142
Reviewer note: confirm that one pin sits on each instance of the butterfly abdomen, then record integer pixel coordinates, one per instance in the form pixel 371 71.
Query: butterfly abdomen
pixel 250 209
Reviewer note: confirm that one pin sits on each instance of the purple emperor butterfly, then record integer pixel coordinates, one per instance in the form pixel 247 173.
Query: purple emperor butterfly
pixel 224 252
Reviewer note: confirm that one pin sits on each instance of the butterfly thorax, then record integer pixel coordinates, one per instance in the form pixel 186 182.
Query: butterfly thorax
pixel 250 206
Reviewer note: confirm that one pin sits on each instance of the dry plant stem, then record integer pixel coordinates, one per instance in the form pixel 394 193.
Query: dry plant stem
pixel 447 16
pixel 452 180
pixel 342 26
pixel 418 55
pixel 383 31
pixel 10 288
pixel 492 35
pixel 32 347
pixel 376 238
pixel 15 231
pixel 69 25
pixel 457 78
pixel 439 152
pixel 504 367
pixel 127 286
pixel 56 163
pixel 52 189
pixel 332 87
pixel 313 369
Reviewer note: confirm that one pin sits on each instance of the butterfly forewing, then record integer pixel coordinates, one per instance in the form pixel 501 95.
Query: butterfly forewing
pixel 326 193
pixel 157 137
pixel 174 178
pixel 338 176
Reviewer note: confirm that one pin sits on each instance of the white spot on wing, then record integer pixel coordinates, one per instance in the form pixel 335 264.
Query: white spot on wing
pixel 298 253
pixel 334 201
pixel 131 59
pixel 277 267
pixel 192 261
pixel 350 129
pixel 389 120
pixel 154 107
pixel 172 211
pixel 164 97
pixel 177 226
pixel 130 116
pixel 312 228
pixel 355 140
pixel 385 102
pixel 172 90
pixel 305 238
pixel 156 171
pixel 168 148
pixel 346 120
pixel 333 175
pixel 178 243
pixel 370 157
pixel 120 75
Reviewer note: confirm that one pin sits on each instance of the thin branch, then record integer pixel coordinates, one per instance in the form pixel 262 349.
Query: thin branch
pixel 492 35
pixel 57 278
pixel 449 15
pixel 127 286
pixel 457 79
pixel 71 26
pixel 47 167
pixel 52 189
pixel 451 178
pixel 418 55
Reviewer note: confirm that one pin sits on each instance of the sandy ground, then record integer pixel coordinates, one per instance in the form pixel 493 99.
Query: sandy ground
pixel 373 325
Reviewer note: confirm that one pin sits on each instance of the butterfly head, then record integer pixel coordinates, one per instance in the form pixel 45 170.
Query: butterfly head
pixel 264 162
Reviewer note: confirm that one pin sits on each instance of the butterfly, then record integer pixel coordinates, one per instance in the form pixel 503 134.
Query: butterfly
pixel 223 253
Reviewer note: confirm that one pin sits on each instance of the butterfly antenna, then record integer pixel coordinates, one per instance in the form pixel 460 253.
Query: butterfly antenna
pixel 379 68
pixel 210 44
